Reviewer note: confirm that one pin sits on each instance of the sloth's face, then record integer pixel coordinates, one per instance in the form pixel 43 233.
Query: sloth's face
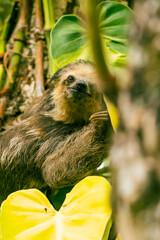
pixel 77 94
pixel 80 84
pixel 79 88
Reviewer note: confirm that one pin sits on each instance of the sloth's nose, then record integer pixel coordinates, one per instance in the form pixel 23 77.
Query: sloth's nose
pixel 81 85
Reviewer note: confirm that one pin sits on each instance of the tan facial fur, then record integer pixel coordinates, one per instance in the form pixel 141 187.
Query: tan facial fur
pixel 70 111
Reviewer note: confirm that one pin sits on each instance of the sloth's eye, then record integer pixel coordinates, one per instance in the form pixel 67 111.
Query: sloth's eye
pixel 70 79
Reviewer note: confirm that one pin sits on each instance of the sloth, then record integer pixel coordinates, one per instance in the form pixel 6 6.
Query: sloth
pixel 63 136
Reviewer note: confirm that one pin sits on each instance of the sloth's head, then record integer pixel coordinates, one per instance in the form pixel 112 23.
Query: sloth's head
pixel 76 92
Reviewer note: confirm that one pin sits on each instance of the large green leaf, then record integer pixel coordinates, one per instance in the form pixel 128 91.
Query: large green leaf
pixel 67 35
pixel 85 214
pixel 113 20
pixel 69 40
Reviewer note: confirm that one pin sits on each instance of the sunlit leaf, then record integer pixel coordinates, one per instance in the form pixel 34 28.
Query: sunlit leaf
pixel 27 214
pixel 114 21
pixel 83 52
pixel 69 37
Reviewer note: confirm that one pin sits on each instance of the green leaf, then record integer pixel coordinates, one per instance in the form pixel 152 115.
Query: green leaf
pixel 85 214
pixel 6 7
pixel 69 39
pixel 67 36
pixel 120 47
pixel 114 20
pixel 83 52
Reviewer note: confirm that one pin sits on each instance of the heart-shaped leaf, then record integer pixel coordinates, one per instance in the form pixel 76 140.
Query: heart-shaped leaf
pixel 27 214
pixel 69 40
pixel 69 37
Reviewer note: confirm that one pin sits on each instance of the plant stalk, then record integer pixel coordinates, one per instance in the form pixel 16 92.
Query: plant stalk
pixel 3 39
pixel 39 74
pixel 3 104
pixel 108 80
pixel 19 42
pixel 49 18
pixel 4 97
pixel 16 58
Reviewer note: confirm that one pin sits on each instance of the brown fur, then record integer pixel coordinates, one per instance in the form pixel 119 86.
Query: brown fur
pixel 72 111
pixel 55 145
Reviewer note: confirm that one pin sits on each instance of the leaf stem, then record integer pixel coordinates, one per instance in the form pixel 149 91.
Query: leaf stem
pixel 49 17
pixel 48 6
pixel 98 53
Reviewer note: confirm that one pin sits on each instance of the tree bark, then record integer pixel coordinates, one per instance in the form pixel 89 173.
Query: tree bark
pixel 136 151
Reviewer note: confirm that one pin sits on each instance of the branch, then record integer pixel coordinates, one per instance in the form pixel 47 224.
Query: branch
pixel 39 75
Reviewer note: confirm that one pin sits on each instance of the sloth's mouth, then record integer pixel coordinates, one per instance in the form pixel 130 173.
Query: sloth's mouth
pixel 75 90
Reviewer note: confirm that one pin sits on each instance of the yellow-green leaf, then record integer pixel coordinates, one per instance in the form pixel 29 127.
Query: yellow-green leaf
pixel 28 215
pixel 113 112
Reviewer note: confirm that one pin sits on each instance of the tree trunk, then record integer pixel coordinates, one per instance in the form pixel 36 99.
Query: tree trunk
pixel 136 151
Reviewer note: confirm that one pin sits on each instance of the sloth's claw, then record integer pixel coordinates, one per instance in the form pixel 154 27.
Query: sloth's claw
pixel 102 116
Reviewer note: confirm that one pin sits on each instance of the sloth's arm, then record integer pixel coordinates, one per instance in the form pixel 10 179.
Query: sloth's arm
pixel 79 155
pixel 39 105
